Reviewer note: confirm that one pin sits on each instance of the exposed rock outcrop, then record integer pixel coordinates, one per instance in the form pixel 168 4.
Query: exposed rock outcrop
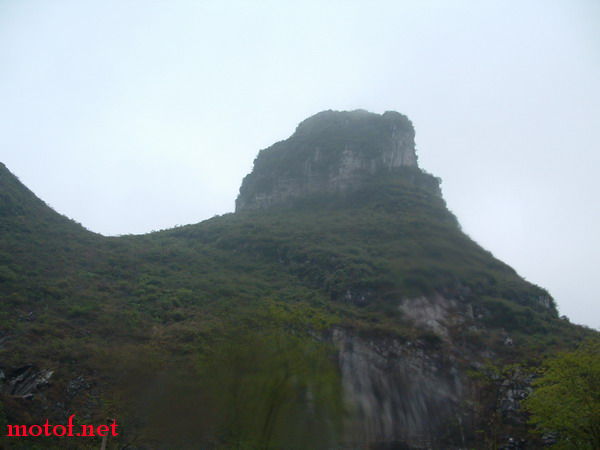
pixel 332 151
pixel 400 393
pixel 24 381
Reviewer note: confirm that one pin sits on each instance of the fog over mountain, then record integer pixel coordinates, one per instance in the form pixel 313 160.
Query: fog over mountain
pixel 134 116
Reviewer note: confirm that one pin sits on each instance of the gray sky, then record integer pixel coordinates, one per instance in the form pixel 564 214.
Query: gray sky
pixel 132 116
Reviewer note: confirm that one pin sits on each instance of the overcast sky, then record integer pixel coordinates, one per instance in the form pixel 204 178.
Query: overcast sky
pixel 132 116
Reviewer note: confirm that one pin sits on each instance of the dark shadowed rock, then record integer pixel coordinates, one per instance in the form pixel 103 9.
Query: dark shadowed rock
pixel 25 381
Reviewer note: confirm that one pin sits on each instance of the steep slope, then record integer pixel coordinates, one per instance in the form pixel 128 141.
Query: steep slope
pixel 367 164
pixel 341 255
pixel 28 222
pixel 39 249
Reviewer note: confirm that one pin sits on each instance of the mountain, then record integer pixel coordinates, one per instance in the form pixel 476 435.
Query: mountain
pixel 329 152
pixel 340 305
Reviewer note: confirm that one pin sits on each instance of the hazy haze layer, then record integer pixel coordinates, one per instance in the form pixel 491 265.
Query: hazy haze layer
pixel 137 116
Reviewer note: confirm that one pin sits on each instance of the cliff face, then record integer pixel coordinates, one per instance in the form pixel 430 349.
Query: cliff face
pixel 331 151
pixel 399 391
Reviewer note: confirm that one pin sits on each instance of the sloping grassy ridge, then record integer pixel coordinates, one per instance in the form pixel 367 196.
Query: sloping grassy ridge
pixel 127 312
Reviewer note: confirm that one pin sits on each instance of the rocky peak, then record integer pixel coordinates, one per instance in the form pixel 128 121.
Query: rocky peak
pixel 332 151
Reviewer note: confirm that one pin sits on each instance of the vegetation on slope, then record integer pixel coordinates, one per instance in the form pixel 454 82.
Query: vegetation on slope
pixel 132 312
pixel 566 400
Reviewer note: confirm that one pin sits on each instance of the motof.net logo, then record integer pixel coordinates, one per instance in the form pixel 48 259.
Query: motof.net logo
pixel 69 430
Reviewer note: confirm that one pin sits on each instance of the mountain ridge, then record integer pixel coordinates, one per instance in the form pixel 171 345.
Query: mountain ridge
pixel 376 284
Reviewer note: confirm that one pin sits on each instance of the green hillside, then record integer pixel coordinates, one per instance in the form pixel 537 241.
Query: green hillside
pixel 159 329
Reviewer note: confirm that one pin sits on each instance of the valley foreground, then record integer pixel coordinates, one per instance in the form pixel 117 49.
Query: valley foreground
pixel 340 306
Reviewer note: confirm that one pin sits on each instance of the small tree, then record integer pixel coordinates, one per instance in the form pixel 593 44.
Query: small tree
pixel 272 389
pixel 567 398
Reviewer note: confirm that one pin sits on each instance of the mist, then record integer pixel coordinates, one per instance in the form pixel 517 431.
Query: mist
pixel 133 116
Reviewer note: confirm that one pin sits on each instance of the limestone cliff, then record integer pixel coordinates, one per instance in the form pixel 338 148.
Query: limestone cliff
pixel 332 151
pixel 403 391
pixel 399 392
